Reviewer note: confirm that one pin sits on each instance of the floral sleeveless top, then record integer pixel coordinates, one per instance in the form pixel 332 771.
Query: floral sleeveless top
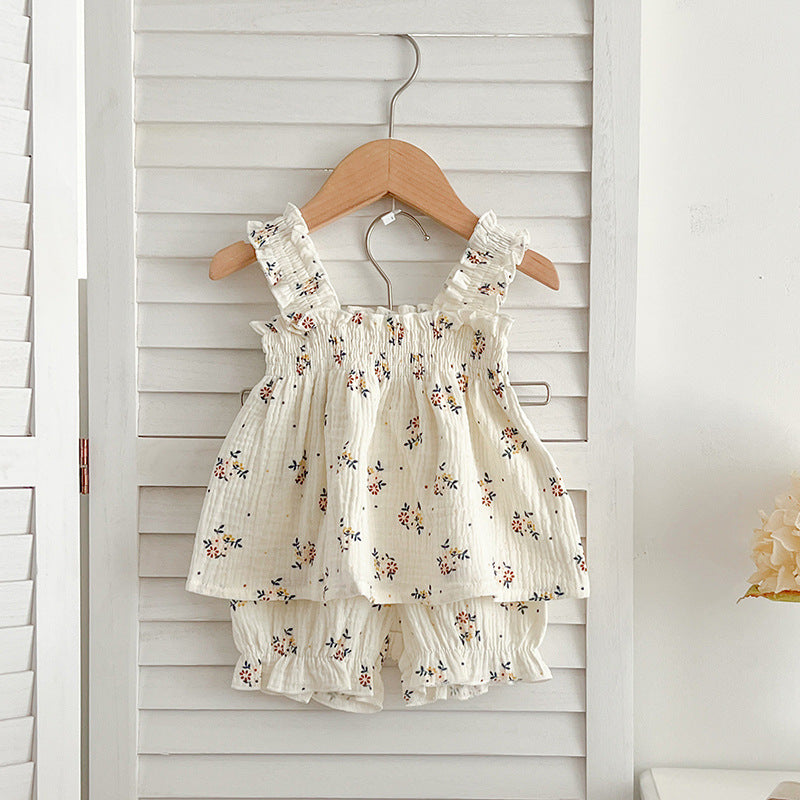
pixel 384 452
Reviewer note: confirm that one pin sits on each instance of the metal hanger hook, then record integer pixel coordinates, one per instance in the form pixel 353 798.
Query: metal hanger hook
pixel 387 219
pixel 417 60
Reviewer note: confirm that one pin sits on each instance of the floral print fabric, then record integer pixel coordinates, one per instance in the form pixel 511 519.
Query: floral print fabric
pixel 332 653
pixel 383 456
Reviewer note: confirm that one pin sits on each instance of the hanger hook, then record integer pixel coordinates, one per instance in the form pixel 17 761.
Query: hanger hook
pixel 417 59
pixel 392 215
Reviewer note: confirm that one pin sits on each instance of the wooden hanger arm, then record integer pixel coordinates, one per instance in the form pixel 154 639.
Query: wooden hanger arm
pixel 374 170
pixel 540 268
pixel 231 259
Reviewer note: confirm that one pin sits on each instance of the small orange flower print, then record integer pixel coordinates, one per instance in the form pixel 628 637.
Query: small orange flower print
pixel 248 674
pixel 364 678
pixel 488 494
pixel 440 324
pixel 422 594
pixel 300 467
pixel 524 524
pixel 417 367
pixel 462 379
pixel 385 565
pixel 515 442
pixel 374 481
pixel 357 318
pixel 476 257
pixel 490 288
pixel 219 544
pixel 261 235
pixel 416 433
pixel 504 674
pixel 396 330
pixel 433 674
pixel 467 626
pixel 309 285
pixel 478 344
pixel 444 480
pixel 304 554
pixel 226 468
pixel 305 321
pixel 448 561
pixel 347 536
pixel 504 574
pixel 275 592
pixel 302 361
pixel 444 398
pixel 345 458
pixel 382 371
pixel 267 391
pixel 339 648
pixel 410 517
pixel 516 605
pixel 286 644
pixel 357 383
pixel 323 500
pixel 557 486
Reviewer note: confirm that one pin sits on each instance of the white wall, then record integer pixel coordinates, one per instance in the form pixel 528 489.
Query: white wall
pixel 718 380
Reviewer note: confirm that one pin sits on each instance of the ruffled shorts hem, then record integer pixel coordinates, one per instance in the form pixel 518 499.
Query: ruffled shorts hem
pixel 364 692
pixel 333 653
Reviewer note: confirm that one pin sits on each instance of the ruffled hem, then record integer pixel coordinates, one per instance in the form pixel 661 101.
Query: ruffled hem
pixel 352 684
pixel 481 666
pixel 357 687
pixel 486 268
pixel 290 262
pixel 302 288
pixel 489 234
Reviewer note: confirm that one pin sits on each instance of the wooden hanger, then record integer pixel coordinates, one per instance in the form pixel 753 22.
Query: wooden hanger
pixel 374 170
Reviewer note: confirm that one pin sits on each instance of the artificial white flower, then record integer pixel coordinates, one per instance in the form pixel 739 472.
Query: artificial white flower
pixel 776 545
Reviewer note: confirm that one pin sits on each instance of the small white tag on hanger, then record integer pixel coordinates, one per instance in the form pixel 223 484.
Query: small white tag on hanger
pixel 388 218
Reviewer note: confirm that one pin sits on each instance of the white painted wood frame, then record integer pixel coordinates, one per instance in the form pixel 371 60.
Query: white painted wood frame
pixel 42 238
pixel 147 676
pixel 111 363
pixel 609 513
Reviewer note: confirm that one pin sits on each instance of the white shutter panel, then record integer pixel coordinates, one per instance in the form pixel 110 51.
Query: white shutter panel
pixel 39 513
pixel 231 109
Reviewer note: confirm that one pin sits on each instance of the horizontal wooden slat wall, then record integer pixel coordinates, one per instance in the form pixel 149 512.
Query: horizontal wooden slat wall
pixel 240 107
pixel 16 504
pixel 15 211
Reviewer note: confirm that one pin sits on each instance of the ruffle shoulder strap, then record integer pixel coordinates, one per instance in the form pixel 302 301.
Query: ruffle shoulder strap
pixel 290 262
pixel 487 267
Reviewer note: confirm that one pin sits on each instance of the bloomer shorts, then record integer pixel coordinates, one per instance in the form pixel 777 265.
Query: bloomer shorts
pixel 333 652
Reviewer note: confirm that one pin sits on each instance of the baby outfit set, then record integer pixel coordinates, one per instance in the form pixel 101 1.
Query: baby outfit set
pixel 382 494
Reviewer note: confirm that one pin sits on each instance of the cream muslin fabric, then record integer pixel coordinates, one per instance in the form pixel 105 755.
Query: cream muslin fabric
pixel 382 468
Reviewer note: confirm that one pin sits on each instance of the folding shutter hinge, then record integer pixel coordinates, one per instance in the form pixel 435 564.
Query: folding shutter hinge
pixel 83 464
